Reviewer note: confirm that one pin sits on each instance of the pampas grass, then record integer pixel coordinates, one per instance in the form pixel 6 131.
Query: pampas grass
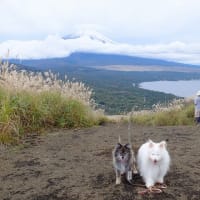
pixel 32 102
pixel 177 112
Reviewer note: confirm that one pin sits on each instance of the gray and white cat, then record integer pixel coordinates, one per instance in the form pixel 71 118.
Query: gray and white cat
pixel 123 161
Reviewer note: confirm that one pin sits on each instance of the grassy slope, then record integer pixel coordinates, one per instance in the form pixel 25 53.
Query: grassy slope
pixel 170 117
pixel 25 112
pixel 32 102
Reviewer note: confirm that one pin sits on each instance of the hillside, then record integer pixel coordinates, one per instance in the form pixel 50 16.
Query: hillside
pixel 113 90
pixel 83 59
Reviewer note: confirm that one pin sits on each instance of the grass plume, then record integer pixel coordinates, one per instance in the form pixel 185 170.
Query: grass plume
pixel 178 112
pixel 37 101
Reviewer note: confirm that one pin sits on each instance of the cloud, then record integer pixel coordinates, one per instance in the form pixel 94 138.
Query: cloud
pixel 150 28
pixel 93 41
pixel 144 21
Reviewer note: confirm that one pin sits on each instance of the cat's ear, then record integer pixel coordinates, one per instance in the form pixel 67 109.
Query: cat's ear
pixel 149 140
pixel 150 143
pixel 118 145
pixel 163 144
pixel 128 146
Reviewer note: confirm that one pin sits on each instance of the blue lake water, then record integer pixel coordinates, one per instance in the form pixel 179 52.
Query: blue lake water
pixel 183 88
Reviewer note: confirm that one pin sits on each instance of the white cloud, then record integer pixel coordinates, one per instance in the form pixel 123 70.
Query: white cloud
pixel 151 26
pixel 143 21
pixel 92 41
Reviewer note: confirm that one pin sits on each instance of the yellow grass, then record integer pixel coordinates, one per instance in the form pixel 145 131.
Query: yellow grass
pixel 35 102
pixel 178 112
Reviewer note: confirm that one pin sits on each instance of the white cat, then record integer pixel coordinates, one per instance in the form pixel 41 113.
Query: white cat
pixel 153 162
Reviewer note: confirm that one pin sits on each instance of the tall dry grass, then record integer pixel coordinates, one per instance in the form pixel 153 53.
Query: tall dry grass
pixel 177 112
pixel 37 82
pixel 36 101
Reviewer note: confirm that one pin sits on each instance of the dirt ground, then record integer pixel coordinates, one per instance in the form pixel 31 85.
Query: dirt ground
pixel 77 164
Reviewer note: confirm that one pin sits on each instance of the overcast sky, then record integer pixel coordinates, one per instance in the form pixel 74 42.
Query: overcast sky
pixel 132 21
pixel 166 29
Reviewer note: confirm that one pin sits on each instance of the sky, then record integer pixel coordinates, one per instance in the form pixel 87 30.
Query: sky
pixel 135 22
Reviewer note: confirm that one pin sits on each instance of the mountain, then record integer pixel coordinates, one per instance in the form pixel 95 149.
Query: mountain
pixel 84 57
pixel 92 35
pixel 94 42
pixel 94 60
pixel 57 47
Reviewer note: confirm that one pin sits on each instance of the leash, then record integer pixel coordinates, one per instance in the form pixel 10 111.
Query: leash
pixel 152 190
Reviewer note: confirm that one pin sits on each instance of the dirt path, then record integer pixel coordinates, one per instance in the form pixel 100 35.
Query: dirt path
pixel 77 165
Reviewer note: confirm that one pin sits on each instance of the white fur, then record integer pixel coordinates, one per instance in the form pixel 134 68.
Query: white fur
pixel 153 162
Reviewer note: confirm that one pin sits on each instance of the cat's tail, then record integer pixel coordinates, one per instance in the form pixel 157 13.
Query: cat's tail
pixel 129 125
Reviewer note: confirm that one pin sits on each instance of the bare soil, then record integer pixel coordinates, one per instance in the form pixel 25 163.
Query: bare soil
pixel 77 164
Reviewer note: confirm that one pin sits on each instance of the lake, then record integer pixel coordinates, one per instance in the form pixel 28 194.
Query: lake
pixel 183 88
